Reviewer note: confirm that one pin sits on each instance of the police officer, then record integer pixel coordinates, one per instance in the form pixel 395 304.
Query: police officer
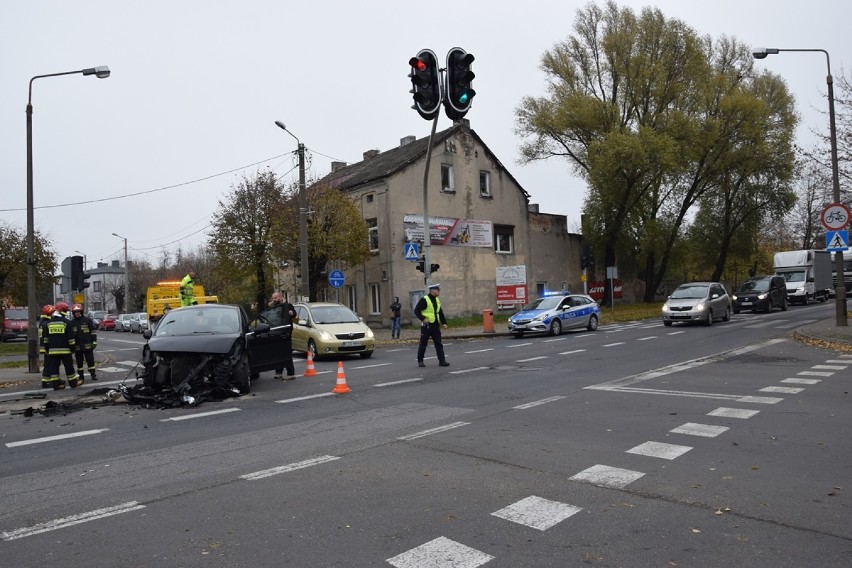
pixel 187 295
pixel 86 338
pixel 281 313
pixel 428 310
pixel 59 343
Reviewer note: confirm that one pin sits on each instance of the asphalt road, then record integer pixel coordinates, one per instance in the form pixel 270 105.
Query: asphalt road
pixel 636 445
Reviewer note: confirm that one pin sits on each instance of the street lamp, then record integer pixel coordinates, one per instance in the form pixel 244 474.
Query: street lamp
pixel 101 72
pixel 303 215
pixel 840 288
pixel 126 275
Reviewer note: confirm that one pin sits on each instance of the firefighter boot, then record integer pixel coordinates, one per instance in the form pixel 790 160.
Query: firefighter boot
pixel 58 385
pixel 76 382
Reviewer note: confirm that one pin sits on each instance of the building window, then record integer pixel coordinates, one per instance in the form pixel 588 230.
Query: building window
pixel 375 299
pixel 541 289
pixel 485 184
pixel 97 286
pixel 369 198
pixel 373 234
pixel 352 299
pixel 504 239
pixel 447 181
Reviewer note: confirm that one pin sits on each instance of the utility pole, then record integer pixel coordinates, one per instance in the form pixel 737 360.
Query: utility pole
pixel 303 226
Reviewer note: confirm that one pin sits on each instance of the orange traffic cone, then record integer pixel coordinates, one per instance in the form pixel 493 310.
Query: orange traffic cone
pixel 310 371
pixel 341 387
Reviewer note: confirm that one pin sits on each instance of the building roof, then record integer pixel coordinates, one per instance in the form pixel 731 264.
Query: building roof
pixel 385 164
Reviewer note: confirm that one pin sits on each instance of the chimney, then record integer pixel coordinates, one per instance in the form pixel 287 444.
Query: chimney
pixel 337 166
pixel 532 207
pixel 370 154
pixel 102 264
pixel 115 264
pixel 407 140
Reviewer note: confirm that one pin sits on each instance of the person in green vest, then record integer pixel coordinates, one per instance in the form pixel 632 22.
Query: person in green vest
pixel 428 310
pixel 187 296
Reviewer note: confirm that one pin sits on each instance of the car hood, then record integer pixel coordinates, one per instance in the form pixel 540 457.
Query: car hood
pixel 343 328
pixel 199 343
pixel 683 302
pixel 528 314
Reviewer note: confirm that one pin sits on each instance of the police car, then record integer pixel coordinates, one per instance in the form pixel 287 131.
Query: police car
pixel 553 313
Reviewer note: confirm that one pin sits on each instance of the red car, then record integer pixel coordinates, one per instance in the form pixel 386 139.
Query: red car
pixel 108 323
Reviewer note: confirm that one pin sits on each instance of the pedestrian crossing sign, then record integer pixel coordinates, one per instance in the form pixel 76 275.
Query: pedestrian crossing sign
pixel 412 251
pixel 836 241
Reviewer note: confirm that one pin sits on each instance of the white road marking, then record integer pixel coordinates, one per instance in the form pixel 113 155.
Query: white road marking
pixel 288 468
pixel 71 521
pixel 782 390
pixel 538 402
pixel 841 361
pixel 418 380
pixel 760 399
pixel 801 381
pixel 479 351
pixel 733 413
pixel 816 373
pixel 553 339
pixel 612 344
pixel 518 345
pixel 584 335
pixel 659 450
pixel 199 415
pixel 675 332
pixel 607 476
pixel 371 366
pixel 830 367
pixel 537 512
pixel 300 398
pixel 431 431
pixel 572 352
pixel 440 553
pixel 463 371
pixel 55 438
pixel 703 430
pixel 647 338
pixel 531 359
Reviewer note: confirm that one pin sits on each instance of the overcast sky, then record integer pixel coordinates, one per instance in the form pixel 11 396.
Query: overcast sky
pixel 197 85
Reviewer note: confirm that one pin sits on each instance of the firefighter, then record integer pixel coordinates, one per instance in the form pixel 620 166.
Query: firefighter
pixel 59 344
pixel 187 295
pixel 86 338
pixel 46 313
pixel 63 308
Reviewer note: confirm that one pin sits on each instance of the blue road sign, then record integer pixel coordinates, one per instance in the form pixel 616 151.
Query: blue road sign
pixel 336 278
pixel 836 241
pixel 412 252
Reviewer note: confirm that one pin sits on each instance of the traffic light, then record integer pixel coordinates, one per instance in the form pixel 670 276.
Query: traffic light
pixel 425 84
pixel 421 265
pixel 434 268
pixel 78 274
pixel 587 259
pixel 459 78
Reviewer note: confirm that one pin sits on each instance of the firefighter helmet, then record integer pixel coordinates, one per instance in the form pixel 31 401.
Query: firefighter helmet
pixel 77 308
pixel 62 307
pixel 47 310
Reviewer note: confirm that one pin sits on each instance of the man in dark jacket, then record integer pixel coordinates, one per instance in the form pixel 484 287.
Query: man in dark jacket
pixel 431 315
pixel 86 337
pixel 281 313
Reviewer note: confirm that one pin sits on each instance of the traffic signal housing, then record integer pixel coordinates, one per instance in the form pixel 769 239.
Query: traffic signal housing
pixel 459 91
pixel 78 274
pixel 425 83
pixel 433 268
pixel 421 266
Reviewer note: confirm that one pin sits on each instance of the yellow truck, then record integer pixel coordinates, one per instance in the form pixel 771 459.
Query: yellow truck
pixel 167 294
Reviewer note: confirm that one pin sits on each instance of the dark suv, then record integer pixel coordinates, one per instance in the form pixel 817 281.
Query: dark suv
pixel 761 293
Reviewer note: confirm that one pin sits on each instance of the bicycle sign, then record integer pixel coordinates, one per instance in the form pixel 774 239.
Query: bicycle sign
pixel 835 216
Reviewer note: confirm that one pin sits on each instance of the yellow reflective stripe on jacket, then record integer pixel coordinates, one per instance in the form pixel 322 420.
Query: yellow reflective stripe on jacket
pixel 433 306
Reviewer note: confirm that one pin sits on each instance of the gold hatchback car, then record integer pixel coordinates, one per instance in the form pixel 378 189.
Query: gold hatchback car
pixel 328 328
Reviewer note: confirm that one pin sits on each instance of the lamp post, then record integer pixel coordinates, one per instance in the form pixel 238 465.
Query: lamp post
pixel 126 275
pixel 101 72
pixel 303 215
pixel 840 287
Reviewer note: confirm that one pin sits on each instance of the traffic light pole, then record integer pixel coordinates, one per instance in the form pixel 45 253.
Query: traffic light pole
pixel 427 239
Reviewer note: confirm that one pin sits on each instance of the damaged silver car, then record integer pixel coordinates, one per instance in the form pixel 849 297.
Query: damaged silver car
pixel 205 352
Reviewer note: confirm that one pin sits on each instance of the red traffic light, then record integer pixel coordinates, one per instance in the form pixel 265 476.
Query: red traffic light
pixel 418 64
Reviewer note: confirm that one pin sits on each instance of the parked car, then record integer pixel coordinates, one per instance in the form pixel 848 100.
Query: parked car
pixel 554 313
pixel 329 328
pixel 197 350
pixel 96 316
pixel 700 302
pixel 761 293
pixel 139 322
pixel 16 322
pixel 108 323
pixel 123 322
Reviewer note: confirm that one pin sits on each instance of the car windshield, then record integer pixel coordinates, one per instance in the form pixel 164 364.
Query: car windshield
pixel 546 303
pixel 98 314
pixel 754 286
pixel 17 314
pixel 687 292
pixel 794 276
pixel 333 314
pixel 198 321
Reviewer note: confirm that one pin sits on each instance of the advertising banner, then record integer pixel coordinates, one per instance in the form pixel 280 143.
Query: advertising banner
pixel 511 285
pixel 596 289
pixel 449 231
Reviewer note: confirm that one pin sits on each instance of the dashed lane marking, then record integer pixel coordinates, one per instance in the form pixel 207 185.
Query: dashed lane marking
pixel 537 402
pixel 431 431
pixel 471 370
pixel 537 512
pixel 301 398
pixel 200 415
pixel 401 382
pixel 71 521
pixel 647 338
pixel 371 366
pixel 519 345
pixel 531 359
pixel 572 352
pixel 55 438
pixel 478 351
pixel 254 476
pixel 612 344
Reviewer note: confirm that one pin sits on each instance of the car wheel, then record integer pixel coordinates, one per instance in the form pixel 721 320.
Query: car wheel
pixel 593 323
pixel 366 354
pixel 709 321
pixel 784 304
pixel 555 327
pixel 667 323
pixel 312 347
pixel 727 316
pixel 242 375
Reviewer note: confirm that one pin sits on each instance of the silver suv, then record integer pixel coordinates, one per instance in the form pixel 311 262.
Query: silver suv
pixel 697 302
